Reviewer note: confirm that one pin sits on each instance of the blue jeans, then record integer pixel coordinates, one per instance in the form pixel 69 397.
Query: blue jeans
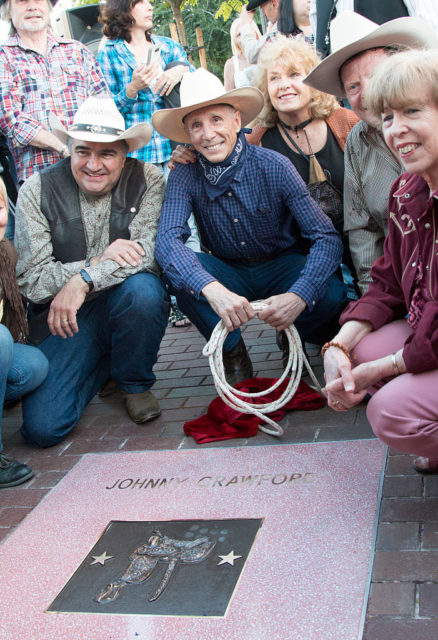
pixel 22 369
pixel 120 333
pixel 258 281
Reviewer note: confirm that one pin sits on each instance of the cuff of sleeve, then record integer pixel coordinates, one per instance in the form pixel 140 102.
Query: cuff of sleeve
pixel 125 100
pixel 197 283
pixel 70 269
pixel 26 133
pixel 99 274
pixel 374 313
pixel 308 294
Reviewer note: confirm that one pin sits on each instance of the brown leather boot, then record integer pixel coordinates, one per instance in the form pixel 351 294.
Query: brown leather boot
pixel 237 364
pixel 141 407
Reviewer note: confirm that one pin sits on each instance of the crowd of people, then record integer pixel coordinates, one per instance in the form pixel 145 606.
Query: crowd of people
pixel 140 185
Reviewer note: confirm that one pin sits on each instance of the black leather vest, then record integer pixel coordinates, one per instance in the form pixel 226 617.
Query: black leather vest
pixel 60 205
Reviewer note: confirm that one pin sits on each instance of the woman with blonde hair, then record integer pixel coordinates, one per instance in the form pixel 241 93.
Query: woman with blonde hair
pixel 388 342
pixel 237 69
pixel 303 124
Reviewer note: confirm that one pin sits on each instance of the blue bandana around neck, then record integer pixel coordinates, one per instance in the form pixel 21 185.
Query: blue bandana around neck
pixel 219 175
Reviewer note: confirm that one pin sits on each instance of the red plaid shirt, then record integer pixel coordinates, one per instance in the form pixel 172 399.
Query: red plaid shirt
pixel 32 85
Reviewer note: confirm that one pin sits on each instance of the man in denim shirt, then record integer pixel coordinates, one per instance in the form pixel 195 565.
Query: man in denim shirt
pixel 250 205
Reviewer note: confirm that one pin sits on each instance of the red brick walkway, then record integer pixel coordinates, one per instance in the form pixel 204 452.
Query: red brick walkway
pixel 403 600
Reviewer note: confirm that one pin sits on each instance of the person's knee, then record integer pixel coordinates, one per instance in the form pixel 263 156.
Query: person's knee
pixel 31 369
pixel 6 347
pixel 41 434
pixel 336 295
pixel 144 295
pixel 382 420
pixel 40 369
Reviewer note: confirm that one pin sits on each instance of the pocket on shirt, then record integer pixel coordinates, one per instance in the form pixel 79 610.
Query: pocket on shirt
pixel 74 79
pixel 32 88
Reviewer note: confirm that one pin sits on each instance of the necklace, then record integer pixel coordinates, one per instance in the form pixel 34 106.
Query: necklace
pixel 297 127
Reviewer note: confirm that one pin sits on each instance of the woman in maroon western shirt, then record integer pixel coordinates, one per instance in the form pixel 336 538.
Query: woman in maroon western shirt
pixel 388 343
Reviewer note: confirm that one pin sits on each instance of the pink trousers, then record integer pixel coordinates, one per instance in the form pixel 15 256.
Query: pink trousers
pixel 404 411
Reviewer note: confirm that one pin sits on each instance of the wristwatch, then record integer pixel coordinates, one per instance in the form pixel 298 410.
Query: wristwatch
pixel 87 278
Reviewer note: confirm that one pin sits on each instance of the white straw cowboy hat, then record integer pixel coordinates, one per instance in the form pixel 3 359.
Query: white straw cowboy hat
pixel 99 120
pixel 201 89
pixel 351 33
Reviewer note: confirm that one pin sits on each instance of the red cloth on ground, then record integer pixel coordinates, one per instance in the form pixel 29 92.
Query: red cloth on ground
pixel 221 422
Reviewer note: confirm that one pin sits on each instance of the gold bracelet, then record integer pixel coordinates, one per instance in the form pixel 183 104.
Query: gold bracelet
pixel 338 345
pixel 394 364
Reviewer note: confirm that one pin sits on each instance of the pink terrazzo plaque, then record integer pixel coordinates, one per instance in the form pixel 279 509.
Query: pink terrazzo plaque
pixel 289 527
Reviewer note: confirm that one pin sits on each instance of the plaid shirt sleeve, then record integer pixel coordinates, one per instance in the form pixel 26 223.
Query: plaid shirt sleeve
pixel 15 124
pixel 178 261
pixel 118 75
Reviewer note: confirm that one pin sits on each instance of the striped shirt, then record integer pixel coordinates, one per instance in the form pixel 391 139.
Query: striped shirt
pixel 32 85
pixel 370 170
pixel 255 218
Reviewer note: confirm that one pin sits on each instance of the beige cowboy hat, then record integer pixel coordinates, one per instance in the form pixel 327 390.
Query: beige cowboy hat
pixel 351 33
pixel 99 120
pixel 200 89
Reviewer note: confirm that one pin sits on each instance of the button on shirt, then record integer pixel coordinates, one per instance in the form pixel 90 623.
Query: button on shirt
pixel 257 221
pixel 32 85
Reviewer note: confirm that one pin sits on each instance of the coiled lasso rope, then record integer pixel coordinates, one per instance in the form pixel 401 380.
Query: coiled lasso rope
pixel 233 398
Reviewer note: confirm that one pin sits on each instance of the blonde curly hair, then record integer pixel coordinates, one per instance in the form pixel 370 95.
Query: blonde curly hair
pixel 294 54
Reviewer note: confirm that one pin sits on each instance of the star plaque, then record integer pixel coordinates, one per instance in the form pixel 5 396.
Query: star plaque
pixel 170 568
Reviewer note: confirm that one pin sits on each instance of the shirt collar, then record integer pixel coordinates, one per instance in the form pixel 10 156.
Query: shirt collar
pixel 52 41
pixel 413 193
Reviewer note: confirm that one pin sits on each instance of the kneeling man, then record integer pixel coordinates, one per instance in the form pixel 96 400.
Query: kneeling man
pixel 250 206
pixel 85 234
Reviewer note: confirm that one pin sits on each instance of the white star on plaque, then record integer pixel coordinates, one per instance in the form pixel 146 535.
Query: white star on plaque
pixel 101 559
pixel 229 558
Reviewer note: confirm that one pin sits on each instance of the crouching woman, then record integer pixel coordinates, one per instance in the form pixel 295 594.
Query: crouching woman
pixel 388 342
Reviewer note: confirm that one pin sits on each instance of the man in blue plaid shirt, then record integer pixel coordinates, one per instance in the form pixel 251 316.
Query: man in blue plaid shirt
pixel 249 204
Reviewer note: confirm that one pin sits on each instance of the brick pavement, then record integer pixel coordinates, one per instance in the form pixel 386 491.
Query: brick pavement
pixel 403 602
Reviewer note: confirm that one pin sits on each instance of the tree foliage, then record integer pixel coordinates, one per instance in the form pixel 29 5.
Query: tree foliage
pixel 204 14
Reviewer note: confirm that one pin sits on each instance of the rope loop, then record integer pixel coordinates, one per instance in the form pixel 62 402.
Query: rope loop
pixel 235 399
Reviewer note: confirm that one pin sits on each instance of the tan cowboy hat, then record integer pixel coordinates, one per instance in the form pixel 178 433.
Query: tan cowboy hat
pixel 200 89
pixel 351 33
pixel 99 120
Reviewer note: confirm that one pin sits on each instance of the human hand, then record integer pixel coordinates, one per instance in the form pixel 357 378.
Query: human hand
pixel 64 306
pixel 233 310
pixel 169 78
pixel 337 369
pixel 282 310
pixel 362 377
pixel 124 252
pixel 142 76
pixel 246 17
pixel 181 155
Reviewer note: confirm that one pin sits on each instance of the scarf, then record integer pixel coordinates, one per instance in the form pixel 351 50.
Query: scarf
pixel 219 175
pixel 221 422
pixel 14 317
